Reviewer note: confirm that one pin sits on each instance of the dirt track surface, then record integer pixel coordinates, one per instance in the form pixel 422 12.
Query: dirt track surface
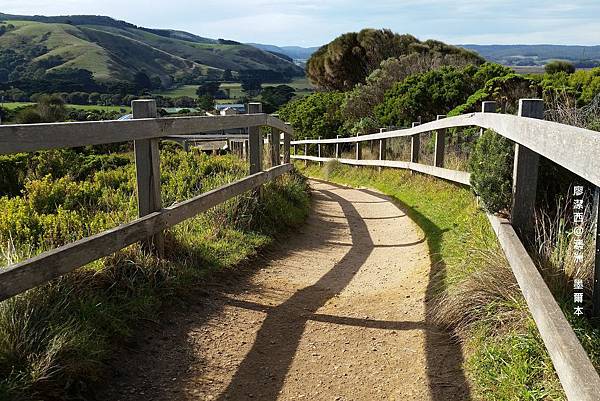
pixel 337 312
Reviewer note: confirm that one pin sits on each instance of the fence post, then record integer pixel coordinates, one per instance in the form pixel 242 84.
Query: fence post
pixel 275 138
pixel 147 166
pixel 319 151
pixel 358 151
pixel 415 145
pixel 255 141
pixel 440 144
pixel 525 173
pixel 596 279
pixel 382 148
pixel 487 107
pixel 305 151
pixel 286 147
pixel 337 148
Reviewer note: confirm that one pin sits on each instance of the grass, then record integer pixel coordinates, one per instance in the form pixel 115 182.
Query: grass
pixel 475 294
pixel 15 105
pixel 56 338
pixel 301 85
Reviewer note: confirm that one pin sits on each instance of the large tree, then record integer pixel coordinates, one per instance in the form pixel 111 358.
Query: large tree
pixel 351 57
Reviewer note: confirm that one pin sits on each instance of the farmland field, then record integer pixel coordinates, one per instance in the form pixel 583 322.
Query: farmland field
pixel 301 85
pixel 14 105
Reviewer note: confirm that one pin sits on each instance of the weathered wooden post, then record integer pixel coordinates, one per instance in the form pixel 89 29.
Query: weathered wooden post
pixel 275 138
pixel 337 148
pixel 286 147
pixel 319 151
pixel 147 167
pixel 305 151
pixel 358 151
pixel 525 173
pixel 415 145
pixel 487 107
pixel 440 145
pixel 382 148
pixel 255 141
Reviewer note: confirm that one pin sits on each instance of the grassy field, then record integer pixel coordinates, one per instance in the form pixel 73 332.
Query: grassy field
pixel 301 85
pixel 14 105
pixel 474 292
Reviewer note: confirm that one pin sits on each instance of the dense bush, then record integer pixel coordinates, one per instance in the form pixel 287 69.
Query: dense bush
pixel 491 167
pixel 316 115
pixel 351 57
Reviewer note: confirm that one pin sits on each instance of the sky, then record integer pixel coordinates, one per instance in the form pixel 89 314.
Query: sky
pixel 316 22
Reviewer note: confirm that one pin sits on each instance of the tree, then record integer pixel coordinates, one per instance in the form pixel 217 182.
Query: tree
pixel 205 102
pixel 426 95
pixel 559 66
pixel 208 88
pixel 316 115
pixel 184 101
pixel 274 97
pixel 51 109
pixel 142 81
pixel 227 75
pixel 251 85
pixel 351 57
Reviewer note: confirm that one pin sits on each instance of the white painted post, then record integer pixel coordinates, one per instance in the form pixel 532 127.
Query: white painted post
pixel 147 165
pixel 319 151
pixel 525 173
pixel 358 151
pixel 305 151
pixel 337 148
pixel 487 107
pixel 382 148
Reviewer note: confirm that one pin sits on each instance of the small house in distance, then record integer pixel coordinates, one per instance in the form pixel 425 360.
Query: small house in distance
pixel 230 109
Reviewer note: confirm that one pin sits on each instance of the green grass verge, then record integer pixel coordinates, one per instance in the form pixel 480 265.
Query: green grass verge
pixel 56 338
pixel 505 357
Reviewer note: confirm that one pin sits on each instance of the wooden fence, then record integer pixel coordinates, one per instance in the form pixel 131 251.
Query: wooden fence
pixel 576 149
pixel 145 130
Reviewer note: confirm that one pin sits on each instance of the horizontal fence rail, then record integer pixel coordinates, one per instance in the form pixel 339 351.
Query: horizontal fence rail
pixel 34 137
pixel 49 265
pixel 576 149
pixel 145 130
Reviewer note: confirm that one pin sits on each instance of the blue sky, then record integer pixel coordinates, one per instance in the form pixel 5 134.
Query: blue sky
pixel 314 22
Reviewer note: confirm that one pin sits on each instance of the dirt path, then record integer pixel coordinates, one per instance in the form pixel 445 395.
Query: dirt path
pixel 338 313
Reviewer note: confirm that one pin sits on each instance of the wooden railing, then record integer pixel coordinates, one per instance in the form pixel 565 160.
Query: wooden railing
pixel 576 149
pixel 145 130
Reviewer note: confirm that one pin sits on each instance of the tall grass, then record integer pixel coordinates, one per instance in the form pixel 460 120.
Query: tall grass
pixel 55 339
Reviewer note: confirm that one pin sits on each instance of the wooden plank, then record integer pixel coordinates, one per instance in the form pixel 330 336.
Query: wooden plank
pixel 275 122
pixel 525 174
pixel 577 375
pixel 576 149
pixel 52 264
pixel 460 177
pixel 147 167
pixel 275 153
pixel 32 137
pixel 286 147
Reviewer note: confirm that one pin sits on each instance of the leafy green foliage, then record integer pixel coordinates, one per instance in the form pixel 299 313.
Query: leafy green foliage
pixel 316 115
pixel 559 66
pixel 491 166
pixel 273 97
pixel 426 95
pixel 351 57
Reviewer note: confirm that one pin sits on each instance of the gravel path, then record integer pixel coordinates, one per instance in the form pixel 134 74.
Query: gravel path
pixel 337 312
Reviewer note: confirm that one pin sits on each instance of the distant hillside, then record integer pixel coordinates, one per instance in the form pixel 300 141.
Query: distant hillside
pixel 33 46
pixel 532 55
pixel 294 52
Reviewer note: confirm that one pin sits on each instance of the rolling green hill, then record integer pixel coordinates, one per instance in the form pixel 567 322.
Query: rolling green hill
pixel 31 47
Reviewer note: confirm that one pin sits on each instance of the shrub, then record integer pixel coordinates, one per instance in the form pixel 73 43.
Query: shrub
pixel 491 171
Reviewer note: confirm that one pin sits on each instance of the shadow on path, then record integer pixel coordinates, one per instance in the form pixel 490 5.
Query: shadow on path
pixel 279 336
